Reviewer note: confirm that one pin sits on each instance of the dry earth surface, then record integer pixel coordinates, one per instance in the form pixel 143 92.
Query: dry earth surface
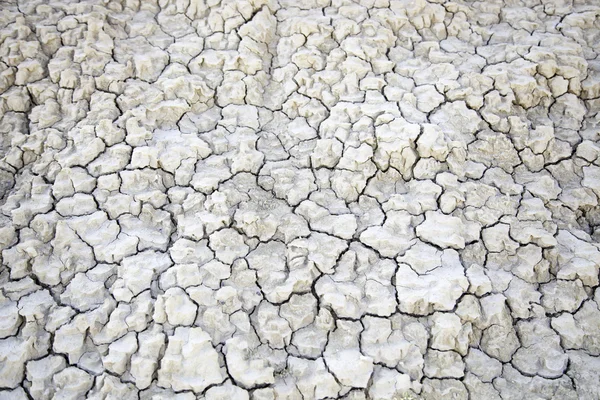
pixel 299 199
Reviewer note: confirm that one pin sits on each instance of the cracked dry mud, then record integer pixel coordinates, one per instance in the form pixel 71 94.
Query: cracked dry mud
pixel 299 199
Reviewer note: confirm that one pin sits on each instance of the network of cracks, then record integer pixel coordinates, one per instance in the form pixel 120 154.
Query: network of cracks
pixel 285 199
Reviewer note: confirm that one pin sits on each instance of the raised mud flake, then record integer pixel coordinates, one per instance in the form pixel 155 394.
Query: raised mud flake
pixel 436 290
pixel 341 350
pixel 190 362
pixel 243 367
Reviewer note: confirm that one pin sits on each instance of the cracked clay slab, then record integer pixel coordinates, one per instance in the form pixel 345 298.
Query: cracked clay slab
pixel 318 199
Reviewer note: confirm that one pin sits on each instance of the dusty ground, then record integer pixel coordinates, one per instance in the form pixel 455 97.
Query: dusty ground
pixel 299 199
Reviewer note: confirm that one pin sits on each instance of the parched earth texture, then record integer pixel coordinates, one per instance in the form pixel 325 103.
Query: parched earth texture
pixel 299 199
